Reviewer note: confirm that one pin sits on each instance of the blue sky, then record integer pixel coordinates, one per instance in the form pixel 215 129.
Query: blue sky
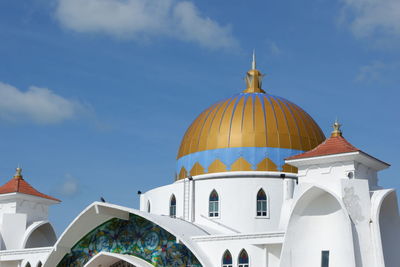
pixel 95 95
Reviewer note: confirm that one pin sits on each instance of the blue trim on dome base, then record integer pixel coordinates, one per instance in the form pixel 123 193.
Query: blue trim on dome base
pixel 253 155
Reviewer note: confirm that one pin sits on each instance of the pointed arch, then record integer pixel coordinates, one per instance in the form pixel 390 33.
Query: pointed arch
pixel 39 264
pixel 243 259
pixel 172 206
pixel 227 259
pixel 27 264
pixel 261 203
pixel 148 206
pixel 317 205
pixel 213 204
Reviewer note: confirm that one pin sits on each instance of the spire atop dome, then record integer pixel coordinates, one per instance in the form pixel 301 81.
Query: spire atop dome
pixel 254 78
pixel 336 129
pixel 253 65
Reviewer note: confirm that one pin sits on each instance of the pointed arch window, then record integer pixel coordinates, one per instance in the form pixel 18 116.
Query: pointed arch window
pixel 243 259
pixel 148 206
pixel 28 265
pixel 213 206
pixel 261 203
pixel 172 206
pixel 227 259
pixel 39 264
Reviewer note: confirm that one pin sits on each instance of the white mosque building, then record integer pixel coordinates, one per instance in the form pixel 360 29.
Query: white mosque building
pixel 257 184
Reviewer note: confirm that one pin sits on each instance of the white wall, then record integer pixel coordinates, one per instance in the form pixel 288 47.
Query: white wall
pixel 215 250
pixel 237 198
pixel 12 230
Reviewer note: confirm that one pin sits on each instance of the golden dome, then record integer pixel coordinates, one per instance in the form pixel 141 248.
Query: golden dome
pixel 252 130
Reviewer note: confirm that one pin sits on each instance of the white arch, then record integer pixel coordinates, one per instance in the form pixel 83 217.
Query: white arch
pixel 98 213
pixel 322 207
pixel 377 200
pixel 107 258
pixel 36 226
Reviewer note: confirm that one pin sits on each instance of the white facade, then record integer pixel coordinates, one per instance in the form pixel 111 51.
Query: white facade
pixel 334 206
pixel 26 235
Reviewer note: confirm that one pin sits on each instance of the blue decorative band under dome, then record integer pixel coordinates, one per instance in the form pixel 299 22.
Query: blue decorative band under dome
pixel 228 156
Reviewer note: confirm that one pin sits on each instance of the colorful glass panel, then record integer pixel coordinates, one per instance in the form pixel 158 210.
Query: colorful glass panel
pixel 243 259
pixel 213 205
pixel 172 206
pixel 138 237
pixel 227 259
pixel 261 203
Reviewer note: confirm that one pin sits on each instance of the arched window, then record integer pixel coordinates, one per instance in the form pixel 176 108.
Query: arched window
pixel 148 206
pixel 172 206
pixel 213 209
pixel 261 203
pixel 243 259
pixel 227 259
pixel 28 265
pixel 39 264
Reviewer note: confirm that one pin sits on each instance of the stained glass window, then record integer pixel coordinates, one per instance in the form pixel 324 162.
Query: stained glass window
pixel 243 259
pixel 227 259
pixel 172 206
pixel 261 203
pixel 213 208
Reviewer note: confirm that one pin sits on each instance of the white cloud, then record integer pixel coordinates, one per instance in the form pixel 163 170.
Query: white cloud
pixel 273 48
pixel 371 72
pixel 69 187
pixel 135 19
pixel 39 105
pixel 373 17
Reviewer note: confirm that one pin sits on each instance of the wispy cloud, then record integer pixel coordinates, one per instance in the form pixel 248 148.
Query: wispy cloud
pixel 370 72
pixel 137 19
pixel 69 187
pixel 379 71
pixel 273 48
pixel 38 105
pixel 369 18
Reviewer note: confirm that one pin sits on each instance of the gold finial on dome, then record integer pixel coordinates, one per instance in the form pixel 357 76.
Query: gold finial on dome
pixel 336 129
pixel 254 78
pixel 18 172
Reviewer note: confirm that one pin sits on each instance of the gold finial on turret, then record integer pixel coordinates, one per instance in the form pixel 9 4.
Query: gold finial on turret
pixel 254 78
pixel 18 172
pixel 336 129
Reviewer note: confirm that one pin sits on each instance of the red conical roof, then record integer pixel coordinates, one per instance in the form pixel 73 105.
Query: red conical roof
pixel 336 144
pixel 332 145
pixel 18 185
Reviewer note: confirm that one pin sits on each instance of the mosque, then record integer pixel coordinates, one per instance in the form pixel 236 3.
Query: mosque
pixel 257 184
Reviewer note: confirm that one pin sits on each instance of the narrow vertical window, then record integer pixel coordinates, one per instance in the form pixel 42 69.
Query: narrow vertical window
pixel 325 258
pixel 148 206
pixel 213 207
pixel 261 203
pixel 227 259
pixel 39 264
pixel 243 259
pixel 172 206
